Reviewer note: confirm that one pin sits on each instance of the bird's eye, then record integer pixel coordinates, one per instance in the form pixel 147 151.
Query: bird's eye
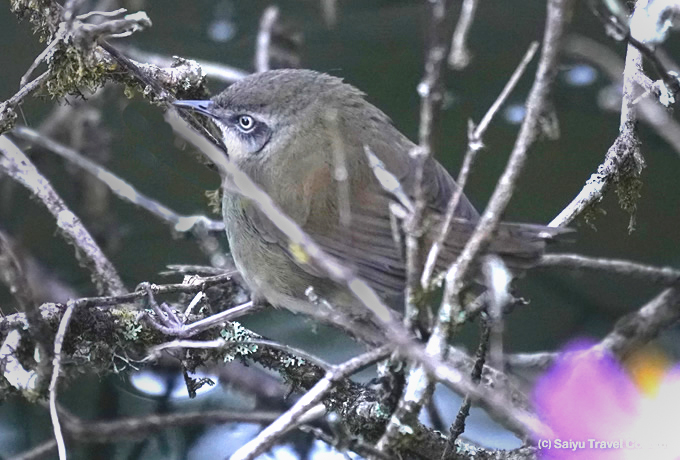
pixel 249 131
pixel 246 123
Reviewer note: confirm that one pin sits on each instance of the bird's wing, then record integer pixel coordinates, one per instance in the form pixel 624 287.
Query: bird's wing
pixel 372 242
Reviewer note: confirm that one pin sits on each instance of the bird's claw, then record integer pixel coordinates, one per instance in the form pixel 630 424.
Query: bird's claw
pixel 165 319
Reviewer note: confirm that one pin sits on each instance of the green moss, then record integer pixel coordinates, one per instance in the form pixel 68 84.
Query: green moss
pixel 214 200
pixel 591 213
pixel 42 14
pixel 72 71
pixel 628 191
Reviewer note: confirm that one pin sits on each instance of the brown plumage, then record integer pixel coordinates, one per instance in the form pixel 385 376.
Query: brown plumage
pixel 288 130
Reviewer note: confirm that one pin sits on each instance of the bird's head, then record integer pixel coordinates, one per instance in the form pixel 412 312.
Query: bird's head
pixel 289 110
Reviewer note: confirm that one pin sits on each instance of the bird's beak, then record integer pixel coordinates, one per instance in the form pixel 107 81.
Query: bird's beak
pixel 202 107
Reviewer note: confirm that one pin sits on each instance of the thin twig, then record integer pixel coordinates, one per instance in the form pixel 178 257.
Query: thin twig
pixel 264 38
pixel 226 315
pixel 656 275
pixel 558 11
pixel 38 452
pixel 7 113
pixel 557 14
pixel 459 57
pixel 118 186
pixel 431 90
pixel 94 431
pixel 458 426
pixel 134 70
pixel 56 369
pixel 40 58
pixel 475 144
pixel 480 129
pixel 436 346
pixel 417 389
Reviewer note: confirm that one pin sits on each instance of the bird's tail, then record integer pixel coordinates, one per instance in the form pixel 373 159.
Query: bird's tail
pixel 520 245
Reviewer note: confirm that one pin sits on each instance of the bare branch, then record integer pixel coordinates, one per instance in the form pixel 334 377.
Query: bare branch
pixel 222 343
pixel 495 393
pixel 480 129
pixel 649 110
pixel 459 57
pixel 213 320
pixel 656 275
pixel 558 12
pixel 14 163
pixel 417 389
pixel 629 333
pixel 214 70
pixel 7 114
pixel 264 38
pixel 623 158
pixel 474 145
pixel 431 91
pixel 38 452
pixel 56 369
pixel 458 426
pixel 118 186
pixel 640 327
pixel 94 431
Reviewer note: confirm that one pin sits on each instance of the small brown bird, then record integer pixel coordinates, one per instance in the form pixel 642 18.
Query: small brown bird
pixel 302 136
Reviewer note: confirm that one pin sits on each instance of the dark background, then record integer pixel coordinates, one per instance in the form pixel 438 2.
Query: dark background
pixel 378 47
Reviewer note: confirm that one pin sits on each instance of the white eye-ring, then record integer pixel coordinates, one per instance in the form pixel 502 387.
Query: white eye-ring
pixel 246 123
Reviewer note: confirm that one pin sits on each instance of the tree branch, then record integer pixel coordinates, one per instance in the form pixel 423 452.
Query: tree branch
pixel 15 164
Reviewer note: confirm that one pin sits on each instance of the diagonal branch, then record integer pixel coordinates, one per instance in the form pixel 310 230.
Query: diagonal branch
pixel 118 186
pixel 16 164
pixel 291 418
